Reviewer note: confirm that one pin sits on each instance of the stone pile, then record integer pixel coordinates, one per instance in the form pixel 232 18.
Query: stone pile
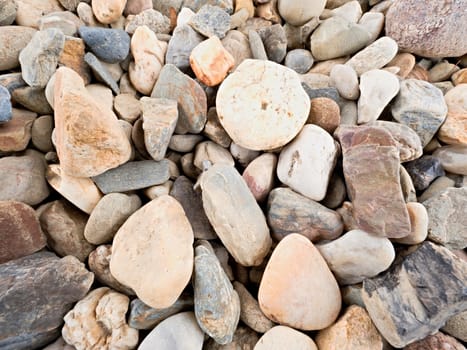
pixel 220 174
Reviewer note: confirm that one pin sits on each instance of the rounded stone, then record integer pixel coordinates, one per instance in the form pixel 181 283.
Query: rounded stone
pixel 344 78
pixel 262 105
pixel 299 60
pixel 13 39
pixel 109 45
pixel 325 113
pixel 418 224
pixel 298 12
pixel 108 11
pixel 41 133
pixel 453 158
pixel 282 337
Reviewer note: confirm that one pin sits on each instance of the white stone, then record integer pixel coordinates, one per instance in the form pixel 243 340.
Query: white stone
pixel 351 11
pixel 373 23
pixel 345 80
pixel 283 337
pixel 298 12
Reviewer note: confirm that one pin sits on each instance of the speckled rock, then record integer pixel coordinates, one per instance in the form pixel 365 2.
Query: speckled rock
pixel 436 341
pixel 211 20
pixel 150 18
pixel 281 337
pixel 456 326
pixel 6 112
pixel 184 40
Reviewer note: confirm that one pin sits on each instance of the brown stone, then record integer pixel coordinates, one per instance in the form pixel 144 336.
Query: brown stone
pixel 325 113
pixel 72 57
pixel 13 39
pixel 418 72
pixel 259 175
pixel 405 62
pixel 436 341
pixel 460 77
pixel 15 135
pixel 454 128
pixel 214 129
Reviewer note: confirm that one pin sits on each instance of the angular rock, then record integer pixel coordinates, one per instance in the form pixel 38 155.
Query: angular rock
pixel 299 60
pixel 312 286
pixel 453 158
pixel 184 40
pixel 297 12
pixel 416 296
pixel 344 78
pixel 150 18
pixel 13 39
pixel 259 175
pixel 6 112
pixel 51 284
pixel 424 170
pixel 282 337
pixel 211 21
pixel 101 72
pixel 16 134
pixel 214 131
pixel 72 57
pixel 438 185
pixel 436 341
pixel 108 11
pixel 454 128
pixel 275 42
pixel 242 229
pixel 152 252
pixel 109 45
pixel 29 12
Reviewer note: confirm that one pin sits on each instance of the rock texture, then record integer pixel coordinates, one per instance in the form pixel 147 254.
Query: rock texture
pixel 281 337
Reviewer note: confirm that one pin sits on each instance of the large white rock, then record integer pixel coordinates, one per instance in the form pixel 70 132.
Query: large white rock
pixel 298 12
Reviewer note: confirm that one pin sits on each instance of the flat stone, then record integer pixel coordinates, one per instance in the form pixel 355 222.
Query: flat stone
pixel 418 224
pixel 184 40
pixel 279 290
pixel 416 296
pixel 442 71
pixel 101 72
pixel 217 305
pixel 344 78
pixel 21 234
pixel 166 336
pixel 297 13
pixel 311 155
pixel 420 106
pixel 108 11
pixel 299 60
pixel 109 45
pixel 275 42
pixel 377 89
pixel 281 337
pixel 357 255
pixel 244 338
pixel 325 113
pixel 184 143
pixel 259 175
pixel 99 320
pixel 16 134
pixel 149 257
pixel 89 139
pixel 328 92
pixel 191 98
pixel 66 21
pixel 453 158
pixel 52 285
pixel 354 330
pixel 424 170
pixel 454 129
pixel 211 21
pixel 72 57
pixel 7 12
pixel 32 99
pixel 242 230
pixel 151 18
pixel 6 112
pixel 23 179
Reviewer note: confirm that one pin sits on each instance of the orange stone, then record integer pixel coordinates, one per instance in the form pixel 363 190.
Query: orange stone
pixel 405 61
pixel 72 57
pixel 325 113
pixel 15 135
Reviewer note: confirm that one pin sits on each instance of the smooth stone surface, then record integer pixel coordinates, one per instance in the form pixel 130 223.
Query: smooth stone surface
pixel 99 321
pixel 67 22
pixel 324 113
pixel 241 228
pixel 33 99
pixel 151 18
pixel 405 62
pixel 6 112
pixel 184 143
pixel 259 175
pixel 447 219
pixel 420 106
pixel 357 255
pixel 237 44
pixel 166 336
pixel 191 98
pixel 108 11
pixel 242 155
pixel 152 252
pixel 7 12
pixel 16 134
pixel 52 285
pixel 213 153
pixel 454 129
pixel 418 224
pixel 211 21
pixel 281 337
pixel 310 298
pixel 133 176
pixel 408 189
pixel 184 40
pixel 299 60
pixel 456 326
pixel 311 156
pixel 344 78
pixel 109 45
pixel 453 158
pixel 416 296
pixel 373 23
pixel 424 170
pixel 377 89
pixel 13 39
pixel 108 215
pixel 275 42
pixel 127 107
pixel 255 107
pixel 297 13
pixel 101 72
pixel 258 51
pixel 21 233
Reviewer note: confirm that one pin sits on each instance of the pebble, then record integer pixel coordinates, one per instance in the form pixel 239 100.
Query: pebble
pixel 29 12
pixel 149 257
pixel 405 61
pixel 377 89
pixel 213 153
pixel 108 215
pixel 418 72
pixel 67 22
pixel 459 77
pixel 150 18
pixel 73 57
pixel 101 72
pixel 298 37
pixel 453 158
pixel 418 225
pixel 237 44
pixel 394 299
pixel 311 156
pixel 109 45
pixel 268 11
pixel 242 155
pixel 275 42
pixel 134 7
pixel 85 13
pixel 21 233
pixel 428 29
pixel 184 143
pixel 81 126
pixel 226 5
pixel 312 286
pixel 349 113
pixel 98 320
pixel 242 230
pixel 344 78
pixel 442 71
pixel 454 129
pixel 217 305
pixel 184 40
pixel 354 330
pixel 70 5
pixel 255 107
pixel 324 113
pixel 7 12
pixel 211 21
pixel 441 183
pixel 456 326
pixel 424 170
pixel 299 60
pixel 436 341
pixel 214 131
pixel 211 62
pixel 80 191
pixel 408 189
pixel 102 95
pixel 336 193
pixel 281 337
pixel 166 336
pixel 32 99
pixel 108 11
pixel 357 255
pixel 337 37
pixel 127 107
pixel 16 133
pixel 258 51
pixel 297 13
pixel 41 277
pixel 259 175
pixel 191 98
pixel 39 58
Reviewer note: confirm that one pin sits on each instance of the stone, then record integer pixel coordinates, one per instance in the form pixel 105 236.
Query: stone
pixel 70 5
pixel 407 186
pixel 244 338
pixel 7 12
pixel 439 184
pixel 148 52
pixel 349 113
pixel 13 39
pixel 211 21
pixel 160 117
pixel 213 153
pixel 134 7
pixel 268 11
pixel 374 56
pixel 6 112
pixel 217 305
pixel 29 12
pixel 275 42
pixel 184 143
pixel 39 58
pixel 418 224
pixel 214 131
pixel 454 129
pixel 424 170
pixel 16 134
pixel 418 72
pixel 281 337
pixel 262 118
pixel 357 255
pixel 442 71
pixel 85 13
pixel 344 78
pixel 80 191
pixel 311 155
pixel 108 11
pixel 312 286
pixel 150 18
pixel 72 57
pixel 67 22
pixel 354 330
pixel 456 326
pixel 259 175
pixel 377 89
pixel 438 34
pixel 346 38
pixel 436 341
pixel 328 92
pixel 21 233
pixel 101 72
pixel 191 98
pixel 184 40
pixel 416 296
pixel 149 258
pixel 32 99
pixel 299 60
pixel 324 113
pixel 237 44
pixel 453 158
pixel 373 23
pixel 242 230
pixel 98 320
pixel 166 336
pixel 109 45
pixel 102 95
pixel 59 344
pixel 127 107
pixel 242 156
pixel 89 139
pixel 420 106
pixel 460 77
pixel 258 51
pixel 211 62
pixel 195 5
pixel 52 285
pixel 297 13
pixel 405 61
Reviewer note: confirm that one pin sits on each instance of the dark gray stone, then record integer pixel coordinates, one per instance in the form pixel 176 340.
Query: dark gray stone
pixel 195 5
pixel 299 60
pixel 184 39
pixel 6 113
pixel 109 45
pixel 35 293
pixel 244 338
pixel 211 20
pixel 101 72
pixel 146 317
pixel 275 42
pixel 424 171
pixel 133 176
pixel 33 99
pixel 417 295
pixel 330 92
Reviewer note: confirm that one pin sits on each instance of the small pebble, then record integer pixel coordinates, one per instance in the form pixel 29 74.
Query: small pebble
pixel 211 21
pixel 344 78
pixel 299 60
pixel 108 11
pixel 6 112
pixel 109 45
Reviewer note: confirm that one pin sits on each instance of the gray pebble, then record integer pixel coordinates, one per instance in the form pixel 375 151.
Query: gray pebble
pixel 109 45
pixel 256 45
pixel 275 42
pixel 195 5
pixel 5 105
pixel 7 12
pixel 101 72
pixel 184 40
pixel 210 21
pixel 299 60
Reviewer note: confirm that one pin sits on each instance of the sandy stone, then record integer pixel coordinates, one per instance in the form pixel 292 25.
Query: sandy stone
pixel 325 113
pixel 460 77
pixel 7 12
pixel 151 18
pixel 108 11
pixel 152 252
pixel 456 326
pixel 298 13
pixel 282 337
pixel 259 175
pixel 211 21
pixel 16 134
pixel 454 129
pixel 442 71
pixel 244 338
pixel 30 11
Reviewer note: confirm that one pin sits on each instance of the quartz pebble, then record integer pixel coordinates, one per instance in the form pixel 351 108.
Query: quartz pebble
pixel 298 12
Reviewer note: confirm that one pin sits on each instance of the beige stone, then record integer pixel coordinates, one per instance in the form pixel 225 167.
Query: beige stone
pixel 259 175
pixel 29 12
pixel 418 224
pixel 282 337
pixel 13 39
pixel 212 152
pixel 15 135
pixel 460 77
pixel 298 12
pixel 108 11
pixel 454 128
pixel 127 107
